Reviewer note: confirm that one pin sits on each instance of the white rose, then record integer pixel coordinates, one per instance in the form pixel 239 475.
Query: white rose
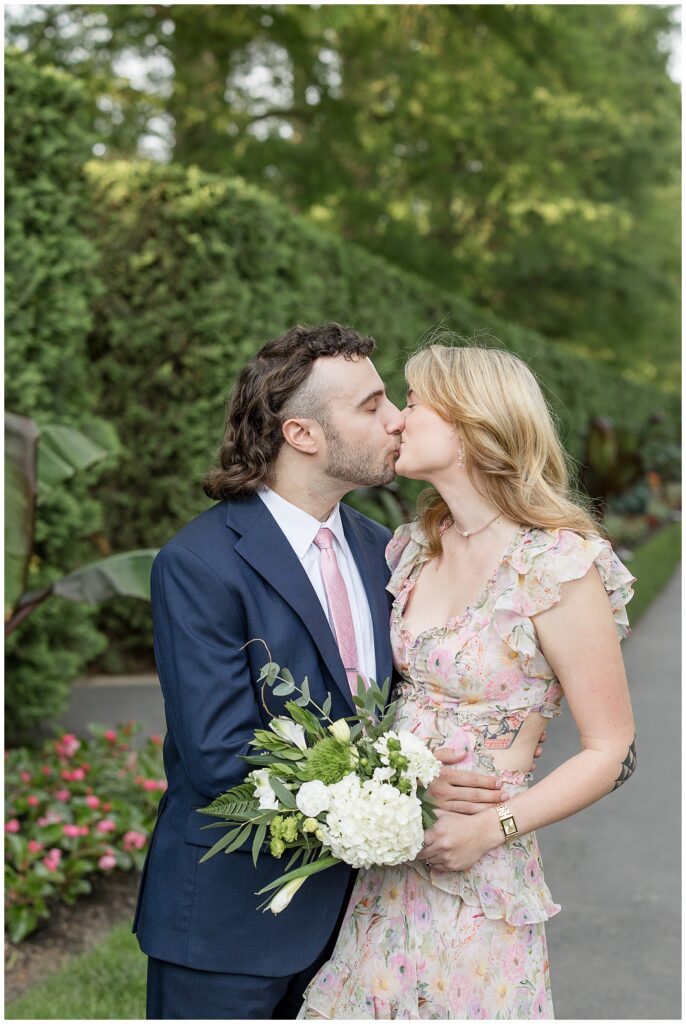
pixel 313 798
pixel 263 791
pixel 290 731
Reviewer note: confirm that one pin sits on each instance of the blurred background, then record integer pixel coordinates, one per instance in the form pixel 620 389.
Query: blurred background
pixel 184 182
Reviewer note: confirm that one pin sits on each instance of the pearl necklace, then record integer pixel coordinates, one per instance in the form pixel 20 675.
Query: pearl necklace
pixel 472 533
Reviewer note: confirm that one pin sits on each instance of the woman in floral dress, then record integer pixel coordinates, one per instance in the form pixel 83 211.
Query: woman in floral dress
pixel 506 598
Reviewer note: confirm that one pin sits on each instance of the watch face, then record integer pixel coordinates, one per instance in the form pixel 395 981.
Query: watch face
pixel 509 827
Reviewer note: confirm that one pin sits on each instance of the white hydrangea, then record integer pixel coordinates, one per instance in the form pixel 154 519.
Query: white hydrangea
pixel 313 798
pixel 423 767
pixel 372 823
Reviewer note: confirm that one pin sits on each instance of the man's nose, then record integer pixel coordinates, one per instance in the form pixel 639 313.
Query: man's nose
pixel 396 421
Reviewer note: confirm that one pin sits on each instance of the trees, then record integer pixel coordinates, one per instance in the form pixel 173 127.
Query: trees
pixel 523 155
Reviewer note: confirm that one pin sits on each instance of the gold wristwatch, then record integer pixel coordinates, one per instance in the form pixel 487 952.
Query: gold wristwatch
pixel 507 822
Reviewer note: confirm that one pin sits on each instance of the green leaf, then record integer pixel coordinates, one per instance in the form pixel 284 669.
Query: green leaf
pixel 284 795
pixel 269 672
pixel 361 686
pixel 283 689
pixel 288 676
pixel 306 689
pixel 225 841
pixel 326 707
pixel 258 840
pixel 302 872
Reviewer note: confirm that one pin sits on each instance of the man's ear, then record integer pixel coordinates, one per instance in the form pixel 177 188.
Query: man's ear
pixel 304 435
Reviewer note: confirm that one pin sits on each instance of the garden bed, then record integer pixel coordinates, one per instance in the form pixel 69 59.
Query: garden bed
pixel 70 930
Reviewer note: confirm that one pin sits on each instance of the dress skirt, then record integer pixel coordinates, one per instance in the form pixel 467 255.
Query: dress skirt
pixel 409 950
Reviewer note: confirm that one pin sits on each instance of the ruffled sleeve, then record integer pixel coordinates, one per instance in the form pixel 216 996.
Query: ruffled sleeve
pixel 402 551
pixel 534 574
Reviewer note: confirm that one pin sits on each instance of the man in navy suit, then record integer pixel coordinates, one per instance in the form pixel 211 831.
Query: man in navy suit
pixel 309 420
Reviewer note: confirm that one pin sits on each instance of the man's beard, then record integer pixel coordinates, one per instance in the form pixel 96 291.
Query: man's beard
pixel 360 466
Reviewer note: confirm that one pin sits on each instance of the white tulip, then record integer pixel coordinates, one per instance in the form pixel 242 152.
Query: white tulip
pixel 340 730
pixel 284 895
pixel 290 731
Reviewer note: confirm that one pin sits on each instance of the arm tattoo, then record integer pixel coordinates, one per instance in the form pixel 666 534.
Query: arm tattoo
pixel 627 767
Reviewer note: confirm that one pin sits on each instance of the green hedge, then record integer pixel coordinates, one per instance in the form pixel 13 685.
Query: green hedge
pixel 200 272
pixel 51 284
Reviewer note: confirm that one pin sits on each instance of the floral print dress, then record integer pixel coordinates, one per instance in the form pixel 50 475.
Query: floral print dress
pixel 423 944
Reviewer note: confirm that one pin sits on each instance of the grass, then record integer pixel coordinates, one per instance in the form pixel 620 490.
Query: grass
pixel 107 983
pixel 653 565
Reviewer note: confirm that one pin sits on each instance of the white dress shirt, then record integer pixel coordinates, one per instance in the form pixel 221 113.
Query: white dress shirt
pixel 300 529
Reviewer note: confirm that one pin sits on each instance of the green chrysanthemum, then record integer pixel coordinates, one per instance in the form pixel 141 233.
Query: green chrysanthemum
pixel 329 760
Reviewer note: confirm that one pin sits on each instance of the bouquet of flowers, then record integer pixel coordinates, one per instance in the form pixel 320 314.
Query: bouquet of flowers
pixel 352 790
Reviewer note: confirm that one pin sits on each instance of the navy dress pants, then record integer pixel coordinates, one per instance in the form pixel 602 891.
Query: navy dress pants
pixel 175 992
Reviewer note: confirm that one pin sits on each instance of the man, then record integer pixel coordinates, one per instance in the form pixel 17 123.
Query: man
pixel 278 559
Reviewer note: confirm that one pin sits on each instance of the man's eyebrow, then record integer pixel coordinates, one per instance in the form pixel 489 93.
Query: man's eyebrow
pixel 379 393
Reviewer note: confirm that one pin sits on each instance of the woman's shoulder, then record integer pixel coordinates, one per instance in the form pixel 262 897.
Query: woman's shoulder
pixel 546 558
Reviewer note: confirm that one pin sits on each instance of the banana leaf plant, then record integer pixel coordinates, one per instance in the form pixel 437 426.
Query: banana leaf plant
pixel 37 460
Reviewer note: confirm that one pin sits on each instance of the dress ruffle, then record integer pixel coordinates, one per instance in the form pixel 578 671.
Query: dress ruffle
pixel 495 888
pixel 403 551
pixel 531 577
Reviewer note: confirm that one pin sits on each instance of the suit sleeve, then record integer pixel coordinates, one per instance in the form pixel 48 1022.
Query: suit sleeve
pixel 205 676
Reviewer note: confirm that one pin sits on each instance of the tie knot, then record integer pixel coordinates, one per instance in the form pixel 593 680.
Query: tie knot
pixel 324 538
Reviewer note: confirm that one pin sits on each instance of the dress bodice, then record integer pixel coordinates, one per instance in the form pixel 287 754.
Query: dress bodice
pixel 486 664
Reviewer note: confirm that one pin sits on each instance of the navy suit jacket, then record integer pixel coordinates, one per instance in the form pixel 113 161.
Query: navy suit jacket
pixel 230 575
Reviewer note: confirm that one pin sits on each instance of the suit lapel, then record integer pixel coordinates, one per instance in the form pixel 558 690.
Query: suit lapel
pixel 264 546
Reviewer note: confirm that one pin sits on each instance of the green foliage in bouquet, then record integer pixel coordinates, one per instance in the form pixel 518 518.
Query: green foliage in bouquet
pixel 308 748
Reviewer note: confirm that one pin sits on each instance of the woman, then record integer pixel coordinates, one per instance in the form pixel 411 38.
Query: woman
pixel 506 597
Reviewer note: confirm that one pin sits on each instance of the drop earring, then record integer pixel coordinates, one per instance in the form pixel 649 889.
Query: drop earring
pixel 460 454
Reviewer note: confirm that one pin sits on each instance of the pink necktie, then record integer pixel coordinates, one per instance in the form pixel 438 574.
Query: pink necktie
pixel 337 596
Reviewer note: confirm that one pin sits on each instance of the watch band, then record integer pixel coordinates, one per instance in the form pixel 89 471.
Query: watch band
pixel 507 822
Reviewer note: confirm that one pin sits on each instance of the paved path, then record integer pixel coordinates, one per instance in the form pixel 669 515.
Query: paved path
pixel 615 867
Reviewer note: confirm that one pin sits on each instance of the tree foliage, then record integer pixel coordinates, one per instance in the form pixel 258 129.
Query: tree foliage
pixel 523 155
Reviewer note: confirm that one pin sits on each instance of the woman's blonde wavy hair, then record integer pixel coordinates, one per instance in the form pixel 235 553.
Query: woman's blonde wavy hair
pixel 510 439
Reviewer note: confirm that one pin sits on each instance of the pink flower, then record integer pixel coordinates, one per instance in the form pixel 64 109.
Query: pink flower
pixel 106 807
pixel 67 745
pixel 71 830
pixel 106 825
pixel 83 830
pixel 134 840
pixel 51 818
pixel 32 800
pixel 157 740
pixel 107 861
pixel 25 776
pixel 93 801
pixel 35 846
pixel 401 966
pixel 111 736
pixel 12 825
pixel 46 769
pixel 52 861
pixel 149 784
pixel 63 795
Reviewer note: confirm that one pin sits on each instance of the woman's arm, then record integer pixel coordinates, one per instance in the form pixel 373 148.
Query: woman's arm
pixel 579 640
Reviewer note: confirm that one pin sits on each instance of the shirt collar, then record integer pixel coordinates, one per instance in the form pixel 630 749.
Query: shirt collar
pixel 299 526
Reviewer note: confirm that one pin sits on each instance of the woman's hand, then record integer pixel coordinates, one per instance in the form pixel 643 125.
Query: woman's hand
pixel 457 841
